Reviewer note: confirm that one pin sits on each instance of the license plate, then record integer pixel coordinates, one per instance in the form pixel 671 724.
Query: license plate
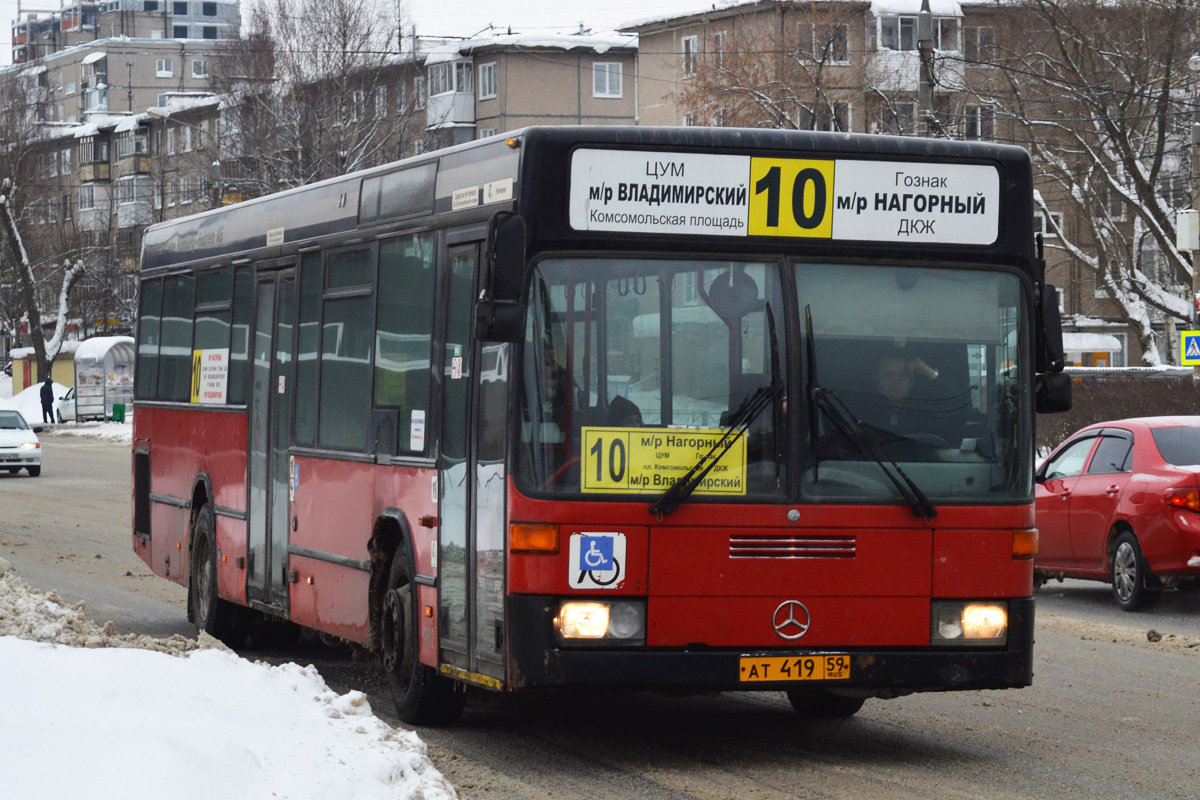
pixel 794 668
pixel 10 456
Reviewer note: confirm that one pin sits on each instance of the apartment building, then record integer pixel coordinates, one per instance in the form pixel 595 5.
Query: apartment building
pixel 488 85
pixel 39 35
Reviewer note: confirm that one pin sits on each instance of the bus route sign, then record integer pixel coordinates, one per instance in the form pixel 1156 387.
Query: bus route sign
pixel 649 460
pixel 712 194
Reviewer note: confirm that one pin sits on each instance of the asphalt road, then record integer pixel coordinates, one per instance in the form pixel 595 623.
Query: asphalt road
pixel 1110 715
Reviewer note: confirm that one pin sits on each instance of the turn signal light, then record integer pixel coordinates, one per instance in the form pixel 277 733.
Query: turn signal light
pixel 526 537
pixel 1025 542
pixel 1183 497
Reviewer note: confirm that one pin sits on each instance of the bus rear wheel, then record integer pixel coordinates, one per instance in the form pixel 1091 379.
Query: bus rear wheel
pixel 823 703
pixel 421 695
pixel 214 616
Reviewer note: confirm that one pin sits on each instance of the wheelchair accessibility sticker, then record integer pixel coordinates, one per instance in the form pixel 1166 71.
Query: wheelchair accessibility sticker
pixel 597 560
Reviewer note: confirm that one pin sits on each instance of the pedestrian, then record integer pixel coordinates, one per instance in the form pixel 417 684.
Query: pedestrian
pixel 48 400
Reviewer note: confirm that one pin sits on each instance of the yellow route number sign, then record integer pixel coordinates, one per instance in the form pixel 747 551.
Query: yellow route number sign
pixel 791 197
pixel 649 460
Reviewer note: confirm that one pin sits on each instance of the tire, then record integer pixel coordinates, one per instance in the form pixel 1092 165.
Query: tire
pixel 59 415
pixel 211 614
pixel 1130 575
pixel 13 470
pixel 823 703
pixel 33 471
pixel 421 695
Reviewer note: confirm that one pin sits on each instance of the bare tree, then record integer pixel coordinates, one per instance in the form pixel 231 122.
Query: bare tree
pixel 1101 97
pixel 313 92
pixel 40 282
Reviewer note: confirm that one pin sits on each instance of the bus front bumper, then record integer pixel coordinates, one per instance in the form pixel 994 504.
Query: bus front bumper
pixel 537 660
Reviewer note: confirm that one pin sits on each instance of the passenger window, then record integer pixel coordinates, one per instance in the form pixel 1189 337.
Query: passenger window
pixel 307 349
pixel 175 355
pixel 239 347
pixel 1069 462
pixel 149 330
pixel 1112 456
pixel 404 334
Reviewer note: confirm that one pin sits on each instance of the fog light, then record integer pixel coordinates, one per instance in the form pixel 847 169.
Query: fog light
pixel 607 621
pixel 968 623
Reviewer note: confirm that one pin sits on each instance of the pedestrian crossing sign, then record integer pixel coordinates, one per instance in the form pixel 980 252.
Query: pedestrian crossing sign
pixel 1189 348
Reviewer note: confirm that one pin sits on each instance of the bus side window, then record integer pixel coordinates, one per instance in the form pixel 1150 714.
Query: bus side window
pixel 239 346
pixel 404 335
pixel 175 355
pixel 148 337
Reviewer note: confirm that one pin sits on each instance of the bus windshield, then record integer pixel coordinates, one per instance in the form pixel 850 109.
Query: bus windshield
pixel 633 369
pixel 927 367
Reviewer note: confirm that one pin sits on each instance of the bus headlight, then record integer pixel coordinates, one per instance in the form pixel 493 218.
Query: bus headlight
pixel 606 621
pixel 968 623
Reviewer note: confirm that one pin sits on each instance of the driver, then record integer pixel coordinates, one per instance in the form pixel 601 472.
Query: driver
pixel 893 382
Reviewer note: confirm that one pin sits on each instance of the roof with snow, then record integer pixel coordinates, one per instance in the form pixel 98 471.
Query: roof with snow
pixel 523 41
pixel 98 347
pixel 880 8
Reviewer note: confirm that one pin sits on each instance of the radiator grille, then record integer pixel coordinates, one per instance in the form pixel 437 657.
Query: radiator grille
pixel 802 546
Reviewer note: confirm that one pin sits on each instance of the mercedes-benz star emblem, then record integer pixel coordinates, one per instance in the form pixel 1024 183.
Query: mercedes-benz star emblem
pixel 791 620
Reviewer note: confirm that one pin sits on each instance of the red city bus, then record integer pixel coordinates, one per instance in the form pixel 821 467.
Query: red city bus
pixel 649 408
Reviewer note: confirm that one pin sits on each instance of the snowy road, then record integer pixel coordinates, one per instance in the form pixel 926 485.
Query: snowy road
pixel 1109 715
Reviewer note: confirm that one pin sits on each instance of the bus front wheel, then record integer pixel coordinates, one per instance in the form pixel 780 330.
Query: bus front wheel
pixel 823 703
pixel 214 616
pixel 421 695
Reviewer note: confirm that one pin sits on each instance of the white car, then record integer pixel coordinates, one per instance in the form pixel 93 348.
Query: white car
pixel 19 445
pixel 64 407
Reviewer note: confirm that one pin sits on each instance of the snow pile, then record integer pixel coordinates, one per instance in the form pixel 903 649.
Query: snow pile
pixel 111 719
pixel 5 386
pixel 29 401
pixel 108 431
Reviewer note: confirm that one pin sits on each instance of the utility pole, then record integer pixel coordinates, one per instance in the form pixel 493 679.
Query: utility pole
pixel 925 74
pixel 1187 240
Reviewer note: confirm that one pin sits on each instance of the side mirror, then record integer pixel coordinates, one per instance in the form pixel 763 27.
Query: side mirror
pixel 500 310
pixel 1053 393
pixel 1053 386
pixel 38 429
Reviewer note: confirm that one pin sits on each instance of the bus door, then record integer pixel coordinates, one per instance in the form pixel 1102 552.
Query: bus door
pixel 471 478
pixel 270 411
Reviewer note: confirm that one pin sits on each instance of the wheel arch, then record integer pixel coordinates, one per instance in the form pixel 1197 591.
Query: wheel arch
pixel 1114 532
pixel 391 529
pixel 201 494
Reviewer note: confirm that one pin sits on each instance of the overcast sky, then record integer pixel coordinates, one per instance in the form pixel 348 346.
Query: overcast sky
pixel 466 17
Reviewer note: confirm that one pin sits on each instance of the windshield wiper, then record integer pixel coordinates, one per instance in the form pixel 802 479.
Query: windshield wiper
pixel 858 434
pixel 739 422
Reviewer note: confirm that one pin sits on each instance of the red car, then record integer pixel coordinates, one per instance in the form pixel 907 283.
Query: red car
pixel 1120 502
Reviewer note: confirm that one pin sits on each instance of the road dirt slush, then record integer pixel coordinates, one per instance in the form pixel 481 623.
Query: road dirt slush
pixel 1107 716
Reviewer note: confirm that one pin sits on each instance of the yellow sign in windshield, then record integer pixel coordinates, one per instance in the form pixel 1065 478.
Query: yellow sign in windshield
pixel 649 460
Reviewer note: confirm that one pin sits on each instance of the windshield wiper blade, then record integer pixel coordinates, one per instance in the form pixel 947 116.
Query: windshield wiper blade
pixel 811 387
pixel 869 446
pixel 742 418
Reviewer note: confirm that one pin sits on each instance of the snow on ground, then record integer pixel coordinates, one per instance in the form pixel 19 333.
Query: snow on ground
pixel 5 386
pixel 108 431
pixel 91 714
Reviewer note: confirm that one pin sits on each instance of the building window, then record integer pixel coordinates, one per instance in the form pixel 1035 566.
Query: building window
pixel 899 118
pixel 898 33
pixel 833 116
pixel 179 9
pixel 87 197
pixel 199 68
pixel 419 93
pixel 606 79
pixel 718 40
pixel 208 9
pixel 691 51
pixel 1040 224
pixel 464 77
pixel 486 132
pixel 185 139
pixel 150 5
pixel 66 162
pixel 179 31
pixel 380 102
pixel 690 120
pixel 978 44
pixel 945 33
pixel 170 141
pixel 133 189
pixel 980 123
pixel 185 190
pixel 829 42
pixel 1175 191
pixel 401 98
pixel 164 69
pixel 487 81
pixel 1112 202
pixel 70 88
pixel 441 79
pixel 209 31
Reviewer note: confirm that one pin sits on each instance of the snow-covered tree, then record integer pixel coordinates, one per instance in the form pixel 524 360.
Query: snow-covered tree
pixel 1099 92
